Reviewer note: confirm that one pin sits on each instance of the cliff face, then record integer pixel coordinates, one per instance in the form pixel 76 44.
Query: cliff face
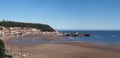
pixel 42 27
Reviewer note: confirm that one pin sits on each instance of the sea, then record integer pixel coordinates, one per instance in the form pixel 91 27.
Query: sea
pixel 99 37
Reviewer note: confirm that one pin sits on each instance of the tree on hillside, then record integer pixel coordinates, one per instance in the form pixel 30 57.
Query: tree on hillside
pixel 42 27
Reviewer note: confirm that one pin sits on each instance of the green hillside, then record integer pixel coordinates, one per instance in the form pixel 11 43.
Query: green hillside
pixel 42 27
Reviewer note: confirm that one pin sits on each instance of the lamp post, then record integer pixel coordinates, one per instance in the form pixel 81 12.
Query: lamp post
pixel 21 52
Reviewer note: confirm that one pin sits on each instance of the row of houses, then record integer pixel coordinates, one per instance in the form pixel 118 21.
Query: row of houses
pixel 15 31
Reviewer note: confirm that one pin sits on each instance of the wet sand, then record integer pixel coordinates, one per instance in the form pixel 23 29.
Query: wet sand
pixel 70 50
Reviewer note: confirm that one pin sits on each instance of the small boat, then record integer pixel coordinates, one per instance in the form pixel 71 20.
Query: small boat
pixel 113 35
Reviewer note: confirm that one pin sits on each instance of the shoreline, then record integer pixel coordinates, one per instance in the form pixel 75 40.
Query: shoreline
pixel 69 50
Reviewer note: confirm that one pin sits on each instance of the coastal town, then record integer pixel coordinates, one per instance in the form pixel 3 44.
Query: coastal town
pixel 20 31
pixel 15 31
pixel 25 31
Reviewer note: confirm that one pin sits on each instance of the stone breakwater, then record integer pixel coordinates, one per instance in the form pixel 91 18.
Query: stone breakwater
pixel 76 34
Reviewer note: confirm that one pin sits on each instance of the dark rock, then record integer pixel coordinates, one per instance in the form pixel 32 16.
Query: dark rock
pixel 75 35
pixel 87 35
pixel 67 34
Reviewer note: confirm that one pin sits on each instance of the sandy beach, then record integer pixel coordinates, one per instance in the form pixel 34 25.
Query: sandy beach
pixel 70 50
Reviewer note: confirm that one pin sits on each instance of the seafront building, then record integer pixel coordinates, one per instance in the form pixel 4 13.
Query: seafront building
pixel 15 31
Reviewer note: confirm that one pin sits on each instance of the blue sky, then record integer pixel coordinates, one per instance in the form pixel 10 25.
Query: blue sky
pixel 64 14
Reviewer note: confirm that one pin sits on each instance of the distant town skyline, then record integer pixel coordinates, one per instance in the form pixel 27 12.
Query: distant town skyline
pixel 64 14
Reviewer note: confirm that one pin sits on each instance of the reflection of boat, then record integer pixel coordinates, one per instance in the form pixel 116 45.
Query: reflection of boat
pixel 70 37
pixel 26 35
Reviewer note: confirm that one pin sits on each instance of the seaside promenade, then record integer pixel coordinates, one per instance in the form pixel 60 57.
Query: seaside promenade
pixel 68 50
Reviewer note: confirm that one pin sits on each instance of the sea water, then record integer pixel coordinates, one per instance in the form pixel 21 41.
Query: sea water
pixel 100 37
